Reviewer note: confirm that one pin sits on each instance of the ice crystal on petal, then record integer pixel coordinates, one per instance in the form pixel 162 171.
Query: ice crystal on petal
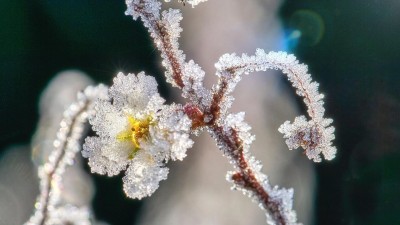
pixel 178 125
pixel 136 130
pixel 113 159
pixel 109 121
pixel 133 92
pixel 143 176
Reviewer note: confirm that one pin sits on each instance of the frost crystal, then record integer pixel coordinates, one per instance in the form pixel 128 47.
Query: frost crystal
pixel 51 209
pixel 136 130
pixel 150 7
pixel 165 30
pixel 315 136
pixel 279 206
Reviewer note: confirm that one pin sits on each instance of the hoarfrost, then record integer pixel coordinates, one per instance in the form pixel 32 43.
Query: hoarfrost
pixel 136 131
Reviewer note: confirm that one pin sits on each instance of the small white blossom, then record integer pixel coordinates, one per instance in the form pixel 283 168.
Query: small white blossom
pixel 136 130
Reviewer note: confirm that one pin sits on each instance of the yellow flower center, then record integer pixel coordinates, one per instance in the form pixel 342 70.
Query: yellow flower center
pixel 138 129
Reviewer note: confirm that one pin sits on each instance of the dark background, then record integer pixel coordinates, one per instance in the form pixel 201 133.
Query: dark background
pixel 352 49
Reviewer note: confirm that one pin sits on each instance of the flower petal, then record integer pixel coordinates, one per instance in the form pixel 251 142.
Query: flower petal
pixel 108 121
pixel 143 176
pixel 94 149
pixel 132 93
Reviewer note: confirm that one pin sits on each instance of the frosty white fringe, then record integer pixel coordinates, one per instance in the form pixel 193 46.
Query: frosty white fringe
pixel 138 133
pixel 165 31
pixel 49 208
pixel 314 136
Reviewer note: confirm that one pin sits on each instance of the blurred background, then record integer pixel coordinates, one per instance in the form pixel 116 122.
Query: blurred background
pixel 352 49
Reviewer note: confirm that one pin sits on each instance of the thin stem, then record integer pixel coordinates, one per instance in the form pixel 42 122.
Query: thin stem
pixel 233 148
pixel 294 71
pixel 57 163
pixel 217 98
pixel 65 148
pixel 160 32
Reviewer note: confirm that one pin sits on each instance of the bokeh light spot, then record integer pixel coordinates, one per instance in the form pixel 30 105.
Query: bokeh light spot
pixel 307 27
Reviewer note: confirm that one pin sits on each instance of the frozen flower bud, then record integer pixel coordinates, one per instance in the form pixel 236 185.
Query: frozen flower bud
pixel 136 131
pixel 314 138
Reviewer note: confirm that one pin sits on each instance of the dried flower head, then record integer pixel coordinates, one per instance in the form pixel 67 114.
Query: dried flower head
pixel 136 130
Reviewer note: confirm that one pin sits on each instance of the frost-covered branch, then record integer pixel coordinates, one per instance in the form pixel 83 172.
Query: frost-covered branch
pixel 138 133
pixel 314 136
pixel 234 140
pixel 165 31
pixel 49 208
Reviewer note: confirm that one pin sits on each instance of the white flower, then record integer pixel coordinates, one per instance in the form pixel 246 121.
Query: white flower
pixel 136 130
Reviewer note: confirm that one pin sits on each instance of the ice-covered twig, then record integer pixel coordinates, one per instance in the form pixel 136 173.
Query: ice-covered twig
pixel 165 31
pixel 314 136
pixel 234 139
pixel 49 208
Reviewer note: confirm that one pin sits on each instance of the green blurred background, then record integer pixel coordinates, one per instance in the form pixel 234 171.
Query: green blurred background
pixel 352 49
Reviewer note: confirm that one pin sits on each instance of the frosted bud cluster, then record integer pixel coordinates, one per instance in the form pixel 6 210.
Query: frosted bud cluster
pixel 313 138
pixel 137 133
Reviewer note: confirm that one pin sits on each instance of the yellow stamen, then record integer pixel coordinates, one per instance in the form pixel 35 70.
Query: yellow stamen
pixel 138 129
